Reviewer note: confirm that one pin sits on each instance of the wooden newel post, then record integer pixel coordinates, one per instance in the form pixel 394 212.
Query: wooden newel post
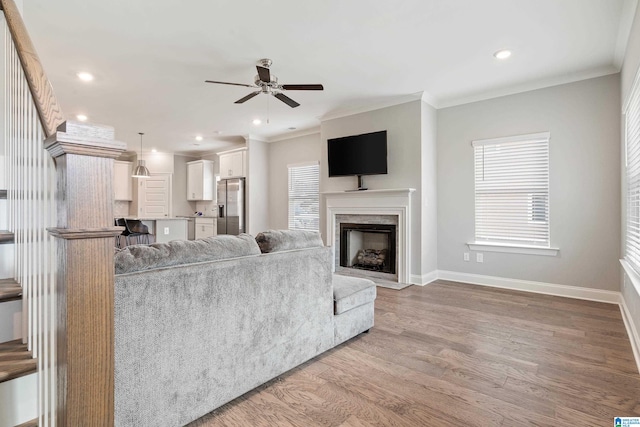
pixel 85 233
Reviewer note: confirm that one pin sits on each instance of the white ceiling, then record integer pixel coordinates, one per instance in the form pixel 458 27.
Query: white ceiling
pixel 150 58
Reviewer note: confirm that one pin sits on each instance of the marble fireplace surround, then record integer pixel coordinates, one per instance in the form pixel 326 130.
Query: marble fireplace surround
pixel 374 202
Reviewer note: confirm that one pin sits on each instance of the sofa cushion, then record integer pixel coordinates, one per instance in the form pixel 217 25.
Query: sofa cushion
pixel 287 240
pixel 176 252
pixel 351 292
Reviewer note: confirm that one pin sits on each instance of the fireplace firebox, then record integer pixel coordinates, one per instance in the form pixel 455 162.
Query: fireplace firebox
pixel 368 247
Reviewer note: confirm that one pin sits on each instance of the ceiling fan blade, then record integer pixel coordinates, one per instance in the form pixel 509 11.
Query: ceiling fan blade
pixel 248 97
pixel 264 73
pixel 227 83
pixel 284 98
pixel 302 87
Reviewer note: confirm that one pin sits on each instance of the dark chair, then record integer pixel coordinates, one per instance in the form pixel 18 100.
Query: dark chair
pixel 134 233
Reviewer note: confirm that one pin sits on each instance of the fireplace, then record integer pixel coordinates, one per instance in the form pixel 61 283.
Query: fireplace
pixel 368 247
pixel 372 207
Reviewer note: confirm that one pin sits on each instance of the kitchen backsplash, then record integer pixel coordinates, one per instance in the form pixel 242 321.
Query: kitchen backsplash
pixel 207 208
pixel 121 209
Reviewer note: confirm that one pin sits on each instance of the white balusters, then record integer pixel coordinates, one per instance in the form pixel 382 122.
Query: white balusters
pixel 31 210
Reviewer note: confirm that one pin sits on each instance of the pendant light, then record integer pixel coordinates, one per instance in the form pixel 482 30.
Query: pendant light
pixel 141 170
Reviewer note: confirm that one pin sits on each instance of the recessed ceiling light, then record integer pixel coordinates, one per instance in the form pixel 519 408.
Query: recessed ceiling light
pixel 81 117
pixel 256 121
pixel 85 77
pixel 502 54
pixel 153 150
pixel 198 138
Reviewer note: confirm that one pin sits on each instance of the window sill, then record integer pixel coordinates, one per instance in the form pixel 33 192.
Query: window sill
pixel 512 249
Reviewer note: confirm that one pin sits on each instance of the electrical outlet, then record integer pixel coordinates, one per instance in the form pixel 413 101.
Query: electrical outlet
pixel 479 258
pixel 466 256
pixel 166 230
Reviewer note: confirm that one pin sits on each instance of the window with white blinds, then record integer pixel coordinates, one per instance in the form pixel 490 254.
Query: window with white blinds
pixel 304 197
pixel 512 190
pixel 632 139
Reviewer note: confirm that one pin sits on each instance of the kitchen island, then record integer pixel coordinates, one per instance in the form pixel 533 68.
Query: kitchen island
pixel 165 229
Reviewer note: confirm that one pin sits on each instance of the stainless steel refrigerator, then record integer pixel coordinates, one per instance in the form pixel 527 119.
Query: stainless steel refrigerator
pixel 231 211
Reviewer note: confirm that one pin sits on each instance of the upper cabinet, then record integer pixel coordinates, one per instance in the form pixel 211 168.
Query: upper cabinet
pixel 232 164
pixel 200 180
pixel 122 182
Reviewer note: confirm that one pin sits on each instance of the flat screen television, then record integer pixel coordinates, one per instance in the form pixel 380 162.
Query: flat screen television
pixel 359 155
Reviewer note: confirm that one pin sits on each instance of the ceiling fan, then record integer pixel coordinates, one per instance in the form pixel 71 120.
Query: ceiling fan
pixel 268 83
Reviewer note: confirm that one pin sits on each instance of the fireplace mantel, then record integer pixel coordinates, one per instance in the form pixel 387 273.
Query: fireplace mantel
pixel 370 193
pixel 375 202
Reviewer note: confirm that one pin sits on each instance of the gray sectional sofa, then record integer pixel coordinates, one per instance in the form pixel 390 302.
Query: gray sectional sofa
pixel 199 323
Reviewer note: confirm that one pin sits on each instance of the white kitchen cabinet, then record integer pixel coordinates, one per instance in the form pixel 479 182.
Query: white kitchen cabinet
pixel 122 181
pixel 232 164
pixel 205 227
pixel 200 180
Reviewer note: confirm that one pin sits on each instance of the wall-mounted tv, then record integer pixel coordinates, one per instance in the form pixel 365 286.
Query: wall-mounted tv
pixel 364 154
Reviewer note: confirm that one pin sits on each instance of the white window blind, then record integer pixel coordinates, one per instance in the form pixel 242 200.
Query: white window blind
pixel 512 190
pixel 632 139
pixel 304 197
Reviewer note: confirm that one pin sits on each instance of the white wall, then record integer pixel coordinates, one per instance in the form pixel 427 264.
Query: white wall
pixel 584 121
pixel 630 69
pixel 281 154
pixel 157 162
pixel 404 140
pixel 257 182
pixel 632 57
pixel 429 232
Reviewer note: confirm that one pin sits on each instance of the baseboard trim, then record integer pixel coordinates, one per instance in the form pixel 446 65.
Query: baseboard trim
pixel 589 294
pixel 425 279
pixel 634 337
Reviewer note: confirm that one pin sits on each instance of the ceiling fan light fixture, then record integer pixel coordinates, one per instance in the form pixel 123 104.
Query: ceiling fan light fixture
pixel 267 83
pixel 141 170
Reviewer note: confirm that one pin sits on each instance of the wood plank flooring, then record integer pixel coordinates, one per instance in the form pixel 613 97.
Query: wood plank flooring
pixel 451 354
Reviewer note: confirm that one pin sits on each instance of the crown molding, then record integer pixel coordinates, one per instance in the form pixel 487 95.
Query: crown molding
pixel 529 86
pixel 403 99
pixel 297 134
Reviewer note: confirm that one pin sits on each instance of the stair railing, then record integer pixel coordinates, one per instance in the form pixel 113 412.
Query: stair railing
pixel 30 177
pixel 64 238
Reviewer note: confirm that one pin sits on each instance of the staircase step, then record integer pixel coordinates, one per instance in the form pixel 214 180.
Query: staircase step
pixel 6 236
pixel 10 290
pixel 12 362
pixel 3 194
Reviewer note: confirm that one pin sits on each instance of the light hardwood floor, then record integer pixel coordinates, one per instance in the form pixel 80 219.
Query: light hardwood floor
pixel 452 354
